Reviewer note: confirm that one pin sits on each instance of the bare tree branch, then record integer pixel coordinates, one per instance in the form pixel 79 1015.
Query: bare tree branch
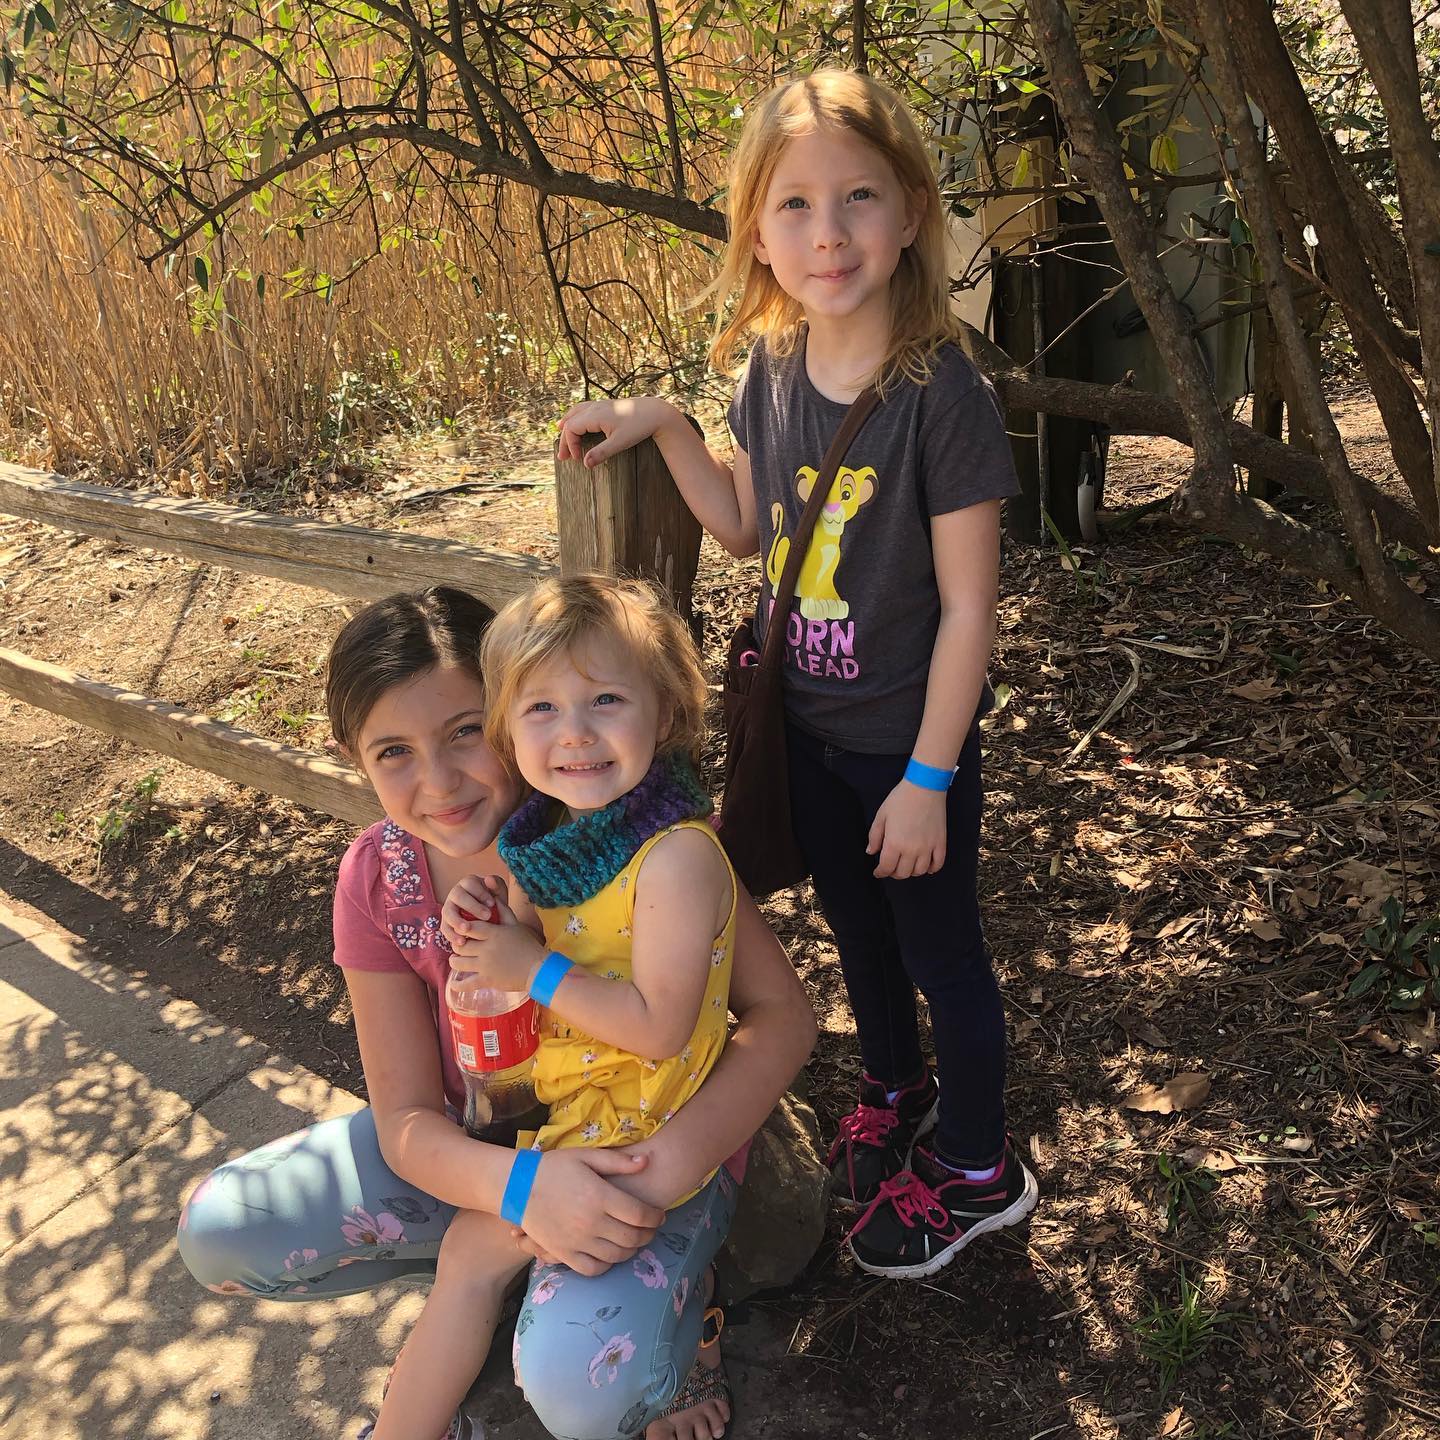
pixel 667 99
pixel 1384 246
pixel 686 214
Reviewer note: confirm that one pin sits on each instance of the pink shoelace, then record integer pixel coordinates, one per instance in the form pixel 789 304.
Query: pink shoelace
pixel 864 1125
pixel 913 1200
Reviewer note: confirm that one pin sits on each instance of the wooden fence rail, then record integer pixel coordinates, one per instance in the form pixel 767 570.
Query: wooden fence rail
pixel 299 775
pixel 623 516
pixel 344 559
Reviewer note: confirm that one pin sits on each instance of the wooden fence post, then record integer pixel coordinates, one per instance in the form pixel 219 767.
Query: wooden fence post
pixel 625 517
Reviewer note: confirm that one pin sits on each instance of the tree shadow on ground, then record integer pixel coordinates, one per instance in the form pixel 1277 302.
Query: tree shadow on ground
pixel 118 1099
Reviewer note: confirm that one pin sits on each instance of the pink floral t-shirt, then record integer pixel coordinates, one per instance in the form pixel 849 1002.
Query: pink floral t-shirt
pixel 387 918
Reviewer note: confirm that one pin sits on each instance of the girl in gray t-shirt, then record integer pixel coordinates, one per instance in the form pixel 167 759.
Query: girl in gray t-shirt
pixel 837 258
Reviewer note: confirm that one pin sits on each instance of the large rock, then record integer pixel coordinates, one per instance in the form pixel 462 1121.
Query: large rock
pixel 780 1217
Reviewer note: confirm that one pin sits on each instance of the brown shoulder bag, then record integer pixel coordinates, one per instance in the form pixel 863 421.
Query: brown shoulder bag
pixel 755 814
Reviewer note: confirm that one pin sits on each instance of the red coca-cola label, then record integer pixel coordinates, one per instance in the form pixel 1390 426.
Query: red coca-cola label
pixel 490 917
pixel 487 1043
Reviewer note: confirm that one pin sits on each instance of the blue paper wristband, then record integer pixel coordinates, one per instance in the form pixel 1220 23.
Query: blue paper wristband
pixel 519 1186
pixel 929 777
pixel 553 969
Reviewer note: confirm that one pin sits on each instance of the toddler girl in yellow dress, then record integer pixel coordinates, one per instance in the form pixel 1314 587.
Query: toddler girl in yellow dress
pixel 596 697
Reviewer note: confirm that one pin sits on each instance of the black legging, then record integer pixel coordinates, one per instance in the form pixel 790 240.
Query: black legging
pixel 897 936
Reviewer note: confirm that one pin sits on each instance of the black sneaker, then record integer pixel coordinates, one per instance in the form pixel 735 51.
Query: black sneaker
pixel 924 1217
pixel 876 1137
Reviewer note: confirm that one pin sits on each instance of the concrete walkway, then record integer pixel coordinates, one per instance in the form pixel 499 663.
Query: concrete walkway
pixel 115 1099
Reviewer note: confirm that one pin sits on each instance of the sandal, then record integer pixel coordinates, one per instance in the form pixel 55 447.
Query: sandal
pixel 703 1383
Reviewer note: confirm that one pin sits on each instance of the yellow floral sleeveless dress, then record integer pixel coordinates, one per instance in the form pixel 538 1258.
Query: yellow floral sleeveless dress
pixel 599 1095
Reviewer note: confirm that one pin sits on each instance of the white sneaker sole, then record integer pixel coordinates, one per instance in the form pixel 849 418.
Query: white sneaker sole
pixel 1023 1204
pixel 931 1120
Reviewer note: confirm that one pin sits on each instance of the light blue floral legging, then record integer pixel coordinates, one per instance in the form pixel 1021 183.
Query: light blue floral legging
pixel 321 1213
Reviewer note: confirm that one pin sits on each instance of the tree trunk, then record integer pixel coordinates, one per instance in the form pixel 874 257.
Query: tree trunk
pixel 1267 409
pixel 1270 77
pixel 1387 44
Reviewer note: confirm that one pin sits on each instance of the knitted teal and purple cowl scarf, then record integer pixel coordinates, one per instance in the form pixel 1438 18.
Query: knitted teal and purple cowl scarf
pixel 566 864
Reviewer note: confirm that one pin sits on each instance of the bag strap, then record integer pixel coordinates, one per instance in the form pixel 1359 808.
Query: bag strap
pixel 859 412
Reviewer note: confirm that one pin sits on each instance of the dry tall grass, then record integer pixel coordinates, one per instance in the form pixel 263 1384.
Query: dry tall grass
pixel 109 367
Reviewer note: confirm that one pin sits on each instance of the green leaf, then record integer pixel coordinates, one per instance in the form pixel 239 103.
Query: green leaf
pixel 202 274
pixel 1164 154
pixel 43 16
pixel 1353 120
pixel 7 71
pixel 1366 979
pixel 1415 934
pixel 259 287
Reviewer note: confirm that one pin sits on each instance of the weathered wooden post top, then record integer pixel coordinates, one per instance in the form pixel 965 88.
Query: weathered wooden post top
pixel 625 517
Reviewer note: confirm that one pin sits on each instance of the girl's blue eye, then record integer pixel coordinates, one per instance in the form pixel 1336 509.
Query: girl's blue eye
pixel 793 203
pixel 471 728
pixel 539 705
pixel 864 191
pixel 607 699
pixel 389 751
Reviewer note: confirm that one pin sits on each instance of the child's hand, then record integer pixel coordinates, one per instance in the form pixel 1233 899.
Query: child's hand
pixel 578 1217
pixel 623 423
pixel 470 904
pixel 909 833
pixel 501 951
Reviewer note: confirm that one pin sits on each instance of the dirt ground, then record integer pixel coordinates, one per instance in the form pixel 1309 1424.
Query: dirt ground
pixel 1185 896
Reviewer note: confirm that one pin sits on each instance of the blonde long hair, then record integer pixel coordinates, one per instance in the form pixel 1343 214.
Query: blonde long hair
pixel 920 316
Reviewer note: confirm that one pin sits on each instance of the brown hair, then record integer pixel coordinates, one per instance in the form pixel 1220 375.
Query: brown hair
pixel 920 316
pixel 557 615
pixel 393 641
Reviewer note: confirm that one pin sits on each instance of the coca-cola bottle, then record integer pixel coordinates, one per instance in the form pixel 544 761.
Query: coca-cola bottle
pixel 495 1034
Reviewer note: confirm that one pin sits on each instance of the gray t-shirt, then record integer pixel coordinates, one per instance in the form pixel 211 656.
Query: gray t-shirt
pixel 866 611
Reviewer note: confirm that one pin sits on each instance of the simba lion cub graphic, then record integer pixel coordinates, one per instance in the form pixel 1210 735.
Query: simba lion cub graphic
pixel 815 590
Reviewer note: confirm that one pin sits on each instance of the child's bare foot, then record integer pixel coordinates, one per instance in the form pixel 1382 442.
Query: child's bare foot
pixel 705 1395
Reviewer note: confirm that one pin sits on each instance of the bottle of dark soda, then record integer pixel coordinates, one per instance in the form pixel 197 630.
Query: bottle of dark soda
pixel 495 1034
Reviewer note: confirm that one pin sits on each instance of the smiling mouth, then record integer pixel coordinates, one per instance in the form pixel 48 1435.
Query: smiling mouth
pixel 593 768
pixel 837 274
pixel 456 816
